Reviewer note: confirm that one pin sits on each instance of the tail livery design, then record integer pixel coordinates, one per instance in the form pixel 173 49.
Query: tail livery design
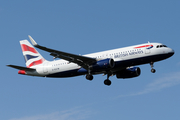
pixel 31 55
pixel 32 58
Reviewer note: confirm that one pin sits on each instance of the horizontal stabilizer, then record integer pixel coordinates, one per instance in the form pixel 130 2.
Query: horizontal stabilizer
pixel 21 68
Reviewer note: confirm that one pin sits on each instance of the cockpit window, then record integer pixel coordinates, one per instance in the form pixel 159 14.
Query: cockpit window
pixel 159 46
pixel 164 46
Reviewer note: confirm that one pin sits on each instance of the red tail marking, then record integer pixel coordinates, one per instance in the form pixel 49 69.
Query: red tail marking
pixel 36 63
pixel 22 72
pixel 27 48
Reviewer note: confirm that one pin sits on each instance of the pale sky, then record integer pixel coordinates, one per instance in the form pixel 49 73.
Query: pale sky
pixel 82 27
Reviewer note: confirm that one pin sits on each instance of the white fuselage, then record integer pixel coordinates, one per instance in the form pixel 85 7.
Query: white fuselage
pixel 123 57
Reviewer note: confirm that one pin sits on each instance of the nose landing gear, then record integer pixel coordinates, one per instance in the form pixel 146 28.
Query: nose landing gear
pixel 152 69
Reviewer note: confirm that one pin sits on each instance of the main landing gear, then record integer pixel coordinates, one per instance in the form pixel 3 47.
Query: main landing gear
pixel 107 81
pixel 89 77
pixel 152 69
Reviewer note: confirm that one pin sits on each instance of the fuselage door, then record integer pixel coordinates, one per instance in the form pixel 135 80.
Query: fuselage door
pixel 148 48
pixel 147 51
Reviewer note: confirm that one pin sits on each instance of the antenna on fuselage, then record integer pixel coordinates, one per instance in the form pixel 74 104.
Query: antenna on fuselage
pixel 54 58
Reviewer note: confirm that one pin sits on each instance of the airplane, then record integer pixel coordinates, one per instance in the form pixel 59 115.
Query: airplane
pixel 121 62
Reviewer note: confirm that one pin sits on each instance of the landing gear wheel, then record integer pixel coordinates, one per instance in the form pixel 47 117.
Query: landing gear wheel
pixel 89 77
pixel 107 82
pixel 153 70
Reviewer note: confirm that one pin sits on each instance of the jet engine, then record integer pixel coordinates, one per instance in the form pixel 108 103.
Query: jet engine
pixel 104 64
pixel 129 73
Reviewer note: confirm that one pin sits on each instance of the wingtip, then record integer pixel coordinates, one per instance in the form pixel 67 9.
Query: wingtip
pixel 8 65
pixel 32 40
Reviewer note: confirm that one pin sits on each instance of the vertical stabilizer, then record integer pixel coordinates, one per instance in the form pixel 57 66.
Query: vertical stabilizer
pixel 31 55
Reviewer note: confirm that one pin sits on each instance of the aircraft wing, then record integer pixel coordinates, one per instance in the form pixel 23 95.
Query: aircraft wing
pixel 21 68
pixel 78 59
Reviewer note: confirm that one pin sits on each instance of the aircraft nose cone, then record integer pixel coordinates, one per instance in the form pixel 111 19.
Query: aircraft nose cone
pixel 171 52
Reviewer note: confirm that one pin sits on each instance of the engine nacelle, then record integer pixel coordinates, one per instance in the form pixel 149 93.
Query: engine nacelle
pixel 129 73
pixel 104 64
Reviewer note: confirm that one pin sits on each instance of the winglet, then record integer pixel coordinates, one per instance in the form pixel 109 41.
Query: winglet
pixel 32 40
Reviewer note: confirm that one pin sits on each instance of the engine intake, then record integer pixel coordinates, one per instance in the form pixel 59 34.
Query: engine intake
pixel 129 73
